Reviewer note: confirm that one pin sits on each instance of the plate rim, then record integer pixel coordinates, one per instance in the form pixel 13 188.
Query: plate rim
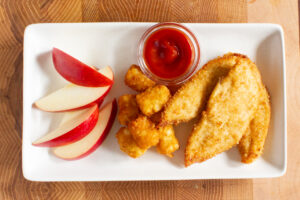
pixel 280 172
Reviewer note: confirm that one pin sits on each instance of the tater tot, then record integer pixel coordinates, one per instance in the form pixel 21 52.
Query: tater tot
pixel 144 132
pixel 153 99
pixel 136 80
pixel 128 109
pixel 168 142
pixel 127 143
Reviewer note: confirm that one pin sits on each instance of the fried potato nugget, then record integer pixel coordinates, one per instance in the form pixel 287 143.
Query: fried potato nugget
pixel 128 109
pixel 168 142
pixel 153 99
pixel 229 111
pixel 136 80
pixel 127 143
pixel 190 99
pixel 144 132
pixel 252 143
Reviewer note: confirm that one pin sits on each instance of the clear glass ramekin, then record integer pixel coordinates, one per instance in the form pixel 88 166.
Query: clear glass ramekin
pixel 194 63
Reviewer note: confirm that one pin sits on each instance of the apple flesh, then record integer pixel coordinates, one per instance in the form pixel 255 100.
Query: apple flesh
pixel 94 139
pixel 75 126
pixel 77 72
pixel 73 114
pixel 73 96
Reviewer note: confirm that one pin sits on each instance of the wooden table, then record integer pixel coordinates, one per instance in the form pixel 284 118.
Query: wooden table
pixel 16 15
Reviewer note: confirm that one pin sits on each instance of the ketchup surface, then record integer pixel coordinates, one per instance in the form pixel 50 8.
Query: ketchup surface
pixel 168 53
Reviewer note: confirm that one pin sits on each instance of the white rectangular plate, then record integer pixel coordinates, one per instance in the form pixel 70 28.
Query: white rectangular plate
pixel 115 44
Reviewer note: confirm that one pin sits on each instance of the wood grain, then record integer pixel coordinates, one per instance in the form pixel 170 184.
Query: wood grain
pixel 285 13
pixel 16 15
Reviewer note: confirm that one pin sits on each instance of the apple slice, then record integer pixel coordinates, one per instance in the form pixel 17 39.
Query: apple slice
pixel 73 114
pixel 73 96
pixel 77 125
pixel 77 72
pixel 90 142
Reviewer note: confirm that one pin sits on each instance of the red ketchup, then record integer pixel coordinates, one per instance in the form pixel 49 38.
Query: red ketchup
pixel 168 53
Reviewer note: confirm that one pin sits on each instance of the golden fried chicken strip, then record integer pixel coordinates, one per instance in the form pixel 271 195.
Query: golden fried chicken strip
pixel 127 143
pixel 136 80
pixel 128 109
pixel 229 111
pixel 168 142
pixel 144 132
pixel 153 99
pixel 190 99
pixel 252 143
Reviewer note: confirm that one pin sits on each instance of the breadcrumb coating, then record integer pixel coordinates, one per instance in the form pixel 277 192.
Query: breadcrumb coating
pixel 168 142
pixel 144 132
pixel 127 143
pixel 136 80
pixel 128 109
pixel 229 111
pixel 190 99
pixel 252 143
pixel 153 99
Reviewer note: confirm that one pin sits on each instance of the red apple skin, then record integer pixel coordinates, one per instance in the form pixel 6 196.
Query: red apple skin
pixel 98 101
pixel 77 72
pixel 103 136
pixel 75 134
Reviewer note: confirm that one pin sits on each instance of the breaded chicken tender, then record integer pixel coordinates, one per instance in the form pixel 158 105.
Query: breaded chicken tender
pixel 128 109
pixel 144 132
pixel 252 143
pixel 191 97
pixel 228 113
pixel 136 80
pixel 168 142
pixel 153 99
pixel 127 143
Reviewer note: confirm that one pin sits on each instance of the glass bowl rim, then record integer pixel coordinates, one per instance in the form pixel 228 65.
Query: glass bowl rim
pixel 180 79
